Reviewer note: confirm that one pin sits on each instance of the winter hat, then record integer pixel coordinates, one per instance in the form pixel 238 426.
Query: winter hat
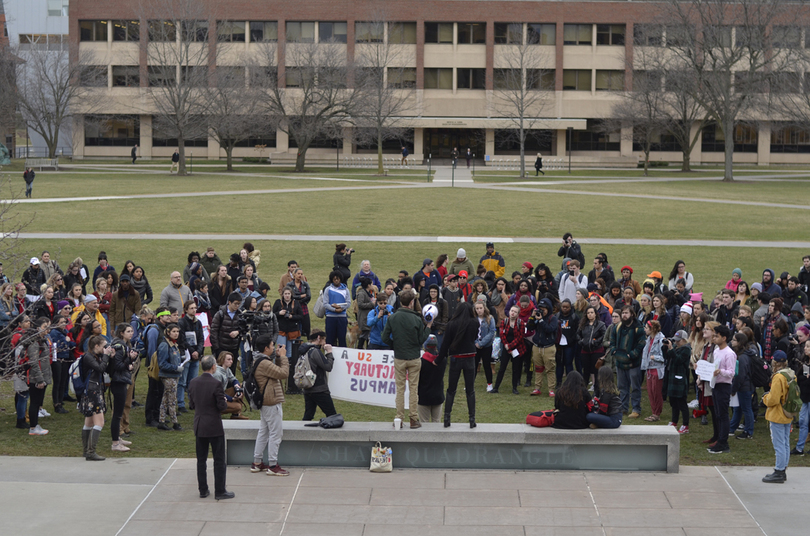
pixel 757 287
pixel 194 267
pixel 61 304
pixel 593 287
pixel 736 271
pixel 779 355
pixel 90 298
pixel 687 308
pixel 627 268
pixel 481 298
pixel 461 254
pixel 528 265
pixel 696 297
pixel 124 277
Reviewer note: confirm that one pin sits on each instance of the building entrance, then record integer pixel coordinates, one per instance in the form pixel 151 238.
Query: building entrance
pixel 439 142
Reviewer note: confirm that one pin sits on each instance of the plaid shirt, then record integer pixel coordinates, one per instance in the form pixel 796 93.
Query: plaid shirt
pixel 512 337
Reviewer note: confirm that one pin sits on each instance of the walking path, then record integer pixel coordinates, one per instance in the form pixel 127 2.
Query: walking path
pixel 437 239
pixel 153 497
pixel 445 176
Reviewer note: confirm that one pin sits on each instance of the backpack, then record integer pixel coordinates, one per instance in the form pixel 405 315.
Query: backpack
pixel 77 378
pixel 255 396
pixel 304 376
pixel 541 419
pixel 760 372
pixel 319 309
pixel 793 400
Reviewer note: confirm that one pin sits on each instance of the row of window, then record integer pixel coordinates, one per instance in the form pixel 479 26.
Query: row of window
pixel 721 36
pixel 44 42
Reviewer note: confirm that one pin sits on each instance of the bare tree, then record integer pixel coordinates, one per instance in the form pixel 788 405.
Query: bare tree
pixel 234 109
pixel 523 88
pixel 724 42
pixel 313 100
pixel 386 86
pixel 179 51
pixel 8 89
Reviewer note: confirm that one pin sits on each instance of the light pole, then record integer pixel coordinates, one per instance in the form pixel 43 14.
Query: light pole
pixel 570 132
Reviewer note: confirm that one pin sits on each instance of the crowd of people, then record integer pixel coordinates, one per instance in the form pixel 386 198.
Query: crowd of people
pixel 601 332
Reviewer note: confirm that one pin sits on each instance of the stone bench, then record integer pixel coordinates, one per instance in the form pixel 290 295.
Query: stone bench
pixel 489 446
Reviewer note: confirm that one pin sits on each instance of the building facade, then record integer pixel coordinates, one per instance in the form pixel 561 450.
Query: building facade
pixel 454 51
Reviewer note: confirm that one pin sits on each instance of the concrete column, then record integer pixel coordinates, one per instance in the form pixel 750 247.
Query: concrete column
pixel 764 144
pixel 78 137
pixel 146 137
pixel 696 156
pixel 626 143
pixel 213 149
pixel 418 143
pixel 562 139
pixel 347 141
pixel 282 142
pixel 489 144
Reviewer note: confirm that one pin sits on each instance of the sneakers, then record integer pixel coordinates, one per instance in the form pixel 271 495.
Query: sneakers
pixel 37 430
pixel 182 410
pixel 119 447
pixel 276 470
pixel 258 468
pixel 633 415
pixel 489 388
pixel 536 392
pixel 551 394
pixel 683 430
pixel 670 423
pixel 718 449
pixel 796 452
pixel 177 428
pixel 162 426
pixel 745 435
pixel 43 413
pixel 515 392
pixel 125 443
pixel 694 404
pixel 61 410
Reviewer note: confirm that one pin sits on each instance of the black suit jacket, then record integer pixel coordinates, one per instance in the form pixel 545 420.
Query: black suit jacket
pixel 208 401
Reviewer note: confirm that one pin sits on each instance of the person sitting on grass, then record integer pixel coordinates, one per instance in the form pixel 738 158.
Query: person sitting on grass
pixel 572 403
pixel 609 414
pixel 231 386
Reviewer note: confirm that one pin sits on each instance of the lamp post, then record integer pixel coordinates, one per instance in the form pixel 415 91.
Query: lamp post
pixel 570 132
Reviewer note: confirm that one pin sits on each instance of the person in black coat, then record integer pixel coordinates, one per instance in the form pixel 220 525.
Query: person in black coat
pixel 207 399
pixel 431 382
pixel 572 403
pixel 459 345
pixel 342 260
pixel 538 165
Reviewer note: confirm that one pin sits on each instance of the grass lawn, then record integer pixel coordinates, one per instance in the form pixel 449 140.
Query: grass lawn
pixel 493 175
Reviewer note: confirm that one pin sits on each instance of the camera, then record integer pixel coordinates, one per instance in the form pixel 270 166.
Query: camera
pixel 238 392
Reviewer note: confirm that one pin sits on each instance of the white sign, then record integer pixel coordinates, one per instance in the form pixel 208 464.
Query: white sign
pixel 705 370
pixel 203 318
pixel 365 377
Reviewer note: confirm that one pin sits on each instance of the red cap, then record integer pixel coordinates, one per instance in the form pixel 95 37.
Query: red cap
pixel 463 273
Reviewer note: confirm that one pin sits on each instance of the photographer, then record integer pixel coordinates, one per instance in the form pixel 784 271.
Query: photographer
pixel 570 250
pixel 247 315
pixel 321 361
pixel 342 260
pixel 376 320
pixel 231 386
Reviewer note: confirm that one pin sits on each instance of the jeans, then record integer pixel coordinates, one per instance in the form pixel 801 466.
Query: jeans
pixel 630 387
pixel 189 373
pixel 29 187
pixel 60 380
pixel 505 361
pixel 721 394
pixel 780 436
pixel 743 410
pixel 20 403
pixel 336 330
pixel 605 421
pixel 804 421
pixel 281 340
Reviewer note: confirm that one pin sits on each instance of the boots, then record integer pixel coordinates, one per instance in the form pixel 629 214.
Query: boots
pixel 85 441
pixel 22 424
pixel 471 407
pixel 91 455
pixel 777 477
pixel 448 407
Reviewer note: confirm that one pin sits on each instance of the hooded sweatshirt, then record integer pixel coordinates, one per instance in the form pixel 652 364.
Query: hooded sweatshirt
pixel 771 288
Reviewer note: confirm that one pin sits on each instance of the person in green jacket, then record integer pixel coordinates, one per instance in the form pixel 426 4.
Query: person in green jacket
pixel 626 347
pixel 405 332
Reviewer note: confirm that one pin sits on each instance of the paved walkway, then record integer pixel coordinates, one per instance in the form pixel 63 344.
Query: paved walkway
pixel 155 497
pixel 445 176
pixel 439 239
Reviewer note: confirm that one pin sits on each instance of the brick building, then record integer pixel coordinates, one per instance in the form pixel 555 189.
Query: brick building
pixel 455 49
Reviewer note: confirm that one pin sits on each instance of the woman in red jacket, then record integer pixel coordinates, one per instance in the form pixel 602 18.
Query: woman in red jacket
pixel 512 332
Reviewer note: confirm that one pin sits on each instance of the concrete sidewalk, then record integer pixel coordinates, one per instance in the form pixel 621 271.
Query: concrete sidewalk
pixel 155 497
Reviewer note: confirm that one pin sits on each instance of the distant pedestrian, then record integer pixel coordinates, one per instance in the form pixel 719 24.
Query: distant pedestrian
pixel 468 156
pixel 454 156
pixel 175 161
pixel 538 165
pixel 134 153
pixel 404 161
pixel 29 177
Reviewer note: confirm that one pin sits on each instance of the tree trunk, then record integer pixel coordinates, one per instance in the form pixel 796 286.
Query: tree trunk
pixel 229 157
pixel 380 169
pixel 647 161
pixel 728 171
pixel 687 158
pixel 522 150
pixel 51 148
pixel 300 160
pixel 181 148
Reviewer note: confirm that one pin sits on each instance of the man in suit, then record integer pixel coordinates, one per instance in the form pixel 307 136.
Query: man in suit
pixel 208 400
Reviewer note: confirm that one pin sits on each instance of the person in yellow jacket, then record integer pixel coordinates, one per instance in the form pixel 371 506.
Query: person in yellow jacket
pixel 493 261
pixel 778 421
pixel 91 308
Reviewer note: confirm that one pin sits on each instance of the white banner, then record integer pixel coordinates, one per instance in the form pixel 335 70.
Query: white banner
pixel 364 376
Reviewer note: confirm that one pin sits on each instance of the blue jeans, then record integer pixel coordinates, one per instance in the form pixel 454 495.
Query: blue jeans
pixel 630 387
pixel 605 421
pixel 20 403
pixel 743 410
pixel 245 355
pixel 780 436
pixel 336 330
pixel 28 189
pixel 804 421
pixel 189 373
pixel 281 340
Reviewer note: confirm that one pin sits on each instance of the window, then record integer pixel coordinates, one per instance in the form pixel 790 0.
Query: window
pixel 58 8
pixel 301 32
pixel 576 80
pixel 750 37
pixel 679 36
pixel 126 30
pixel 438 78
pixel 789 139
pixel 112 130
pixel 332 32
pixel 610 34
pixel 717 36
pixel 595 139
pixel 372 77
pixel 472 33
pixel 367 143
pixel 195 31
pixel 231 32
pixel 93 76
pixel 439 32
pixel 540 79
pixel 298 76
pixel 92 30
pixel 162 31
pixel 194 76
pixel 230 76
pixel 160 76
pixel 541 34
pixel 264 32
pixel 267 139
pixel 333 77
pixel 369 32
pixel 609 80
pixel 126 76
pixel 537 141
pixel 650 35
pixel 510 33
pixel 660 142
pixel 786 37
pixel 745 139
pixel 43 42
pixel 577 34
pixel 679 80
pixel 747 82
pixel 647 81
pixel 261 76
pixel 507 79
pixel 164 134
pixel 785 83
pixel 402 77
pixel 471 78
pixel 403 33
